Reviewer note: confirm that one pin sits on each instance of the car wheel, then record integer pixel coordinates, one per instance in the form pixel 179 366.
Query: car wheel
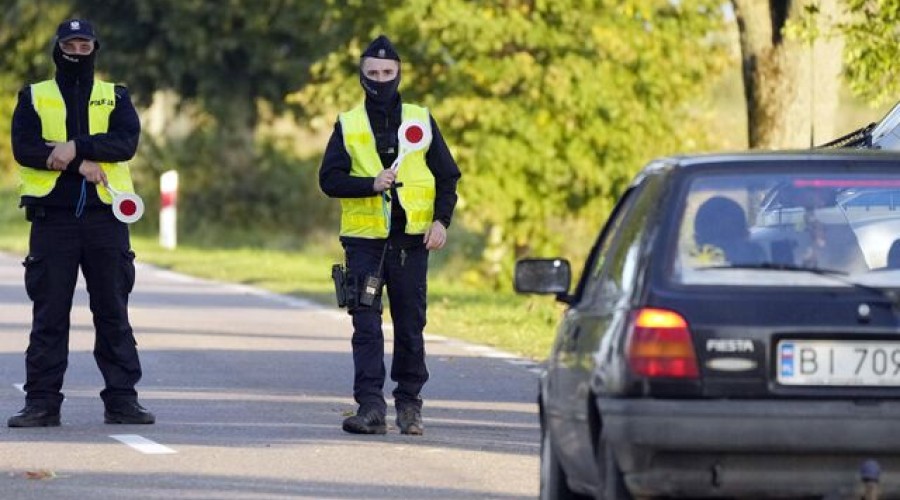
pixel 612 480
pixel 553 478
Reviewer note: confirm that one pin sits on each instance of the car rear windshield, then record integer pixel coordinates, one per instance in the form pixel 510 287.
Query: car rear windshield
pixel 777 228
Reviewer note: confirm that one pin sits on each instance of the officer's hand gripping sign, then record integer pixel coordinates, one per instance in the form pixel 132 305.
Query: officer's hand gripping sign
pixel 413 135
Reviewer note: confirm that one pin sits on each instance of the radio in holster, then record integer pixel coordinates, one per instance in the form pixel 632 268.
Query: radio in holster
pixel 372 284
pixel 370 290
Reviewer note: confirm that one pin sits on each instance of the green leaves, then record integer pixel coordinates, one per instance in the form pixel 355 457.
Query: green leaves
pixel 549 107
pixel 210 51
pixel 872 56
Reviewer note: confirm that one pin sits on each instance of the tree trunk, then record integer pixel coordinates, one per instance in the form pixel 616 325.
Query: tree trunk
pixel 790 85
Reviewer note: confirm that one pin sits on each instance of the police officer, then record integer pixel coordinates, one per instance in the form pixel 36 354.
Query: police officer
pixel 389 223
pixel 71 136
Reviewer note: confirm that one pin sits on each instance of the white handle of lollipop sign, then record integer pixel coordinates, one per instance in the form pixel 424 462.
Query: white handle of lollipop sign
pixel 127 207
pixel 413 136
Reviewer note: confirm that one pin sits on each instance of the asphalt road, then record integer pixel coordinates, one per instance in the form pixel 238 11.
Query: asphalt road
pixel 249 389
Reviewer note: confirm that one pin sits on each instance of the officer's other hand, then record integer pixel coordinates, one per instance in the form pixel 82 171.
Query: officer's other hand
pixel 384 180
pixel 92 172
pixel 63 153
pixel 436 236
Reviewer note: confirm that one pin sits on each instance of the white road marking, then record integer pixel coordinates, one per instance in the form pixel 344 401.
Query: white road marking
pixel 20 387
pixel 521 362
pixel 142 444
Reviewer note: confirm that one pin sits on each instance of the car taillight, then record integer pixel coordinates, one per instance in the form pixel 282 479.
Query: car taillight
pixel 660 345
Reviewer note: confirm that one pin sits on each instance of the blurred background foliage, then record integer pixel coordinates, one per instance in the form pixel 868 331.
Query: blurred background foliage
pixel 550 106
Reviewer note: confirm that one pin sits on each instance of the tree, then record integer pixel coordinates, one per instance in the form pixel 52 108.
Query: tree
pixel 791 68
pixel 550 107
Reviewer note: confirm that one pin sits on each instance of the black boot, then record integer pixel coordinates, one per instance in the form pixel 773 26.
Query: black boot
pixel 409 420
pixel 127 413
pixel 35 416
pixel 366 422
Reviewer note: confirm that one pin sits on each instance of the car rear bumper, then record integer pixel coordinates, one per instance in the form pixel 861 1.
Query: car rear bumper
pixel 751 447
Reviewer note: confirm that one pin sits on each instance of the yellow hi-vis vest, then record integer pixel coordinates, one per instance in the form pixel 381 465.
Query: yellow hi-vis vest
pixel 368 217
pixel 51 108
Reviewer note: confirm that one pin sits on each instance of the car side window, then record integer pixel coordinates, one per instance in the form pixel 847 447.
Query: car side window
pixel 597 257
pixel 613 276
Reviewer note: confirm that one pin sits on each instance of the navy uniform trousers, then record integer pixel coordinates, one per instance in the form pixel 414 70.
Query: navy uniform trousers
pixel 99 244
pixel 405 272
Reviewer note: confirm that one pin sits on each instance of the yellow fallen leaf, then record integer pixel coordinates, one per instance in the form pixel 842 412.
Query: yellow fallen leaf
pixel 39 474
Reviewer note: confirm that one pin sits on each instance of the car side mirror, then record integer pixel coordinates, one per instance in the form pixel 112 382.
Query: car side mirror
pixel 544 276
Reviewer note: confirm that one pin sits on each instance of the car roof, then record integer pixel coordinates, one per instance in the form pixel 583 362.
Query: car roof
pixel 689 161
pixel 692 161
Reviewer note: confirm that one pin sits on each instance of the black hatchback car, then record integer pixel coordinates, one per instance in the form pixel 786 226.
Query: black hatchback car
pixel 735 332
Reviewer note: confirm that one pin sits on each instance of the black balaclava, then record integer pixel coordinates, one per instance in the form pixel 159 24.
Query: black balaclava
pixel 68 65
pixel 74 65
pixel 383 93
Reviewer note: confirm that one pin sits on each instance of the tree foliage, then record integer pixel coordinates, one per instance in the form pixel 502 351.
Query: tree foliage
pixel 225 61
pixel 213 52
pixel 872 57
pixel 549 106
pixel 26 29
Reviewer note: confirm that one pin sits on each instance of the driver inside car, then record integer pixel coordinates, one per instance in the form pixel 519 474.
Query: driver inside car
pixel 720 229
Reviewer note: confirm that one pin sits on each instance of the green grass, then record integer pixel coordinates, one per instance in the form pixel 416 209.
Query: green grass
pixel 519 324
pixel 522 325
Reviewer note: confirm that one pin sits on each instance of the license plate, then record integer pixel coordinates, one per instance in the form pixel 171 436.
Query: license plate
pixel 839 363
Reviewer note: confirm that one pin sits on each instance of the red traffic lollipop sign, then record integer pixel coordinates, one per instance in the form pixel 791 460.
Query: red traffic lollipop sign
pixel 413 136
pixel 127 207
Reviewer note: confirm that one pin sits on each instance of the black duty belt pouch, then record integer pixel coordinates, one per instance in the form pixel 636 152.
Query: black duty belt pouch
pixel 340 278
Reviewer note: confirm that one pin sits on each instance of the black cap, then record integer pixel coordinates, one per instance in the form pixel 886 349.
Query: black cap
pixel 381 48
pixel 75 28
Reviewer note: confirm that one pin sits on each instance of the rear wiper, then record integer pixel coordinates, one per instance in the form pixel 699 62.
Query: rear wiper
pixel 837 275
pixel 834 273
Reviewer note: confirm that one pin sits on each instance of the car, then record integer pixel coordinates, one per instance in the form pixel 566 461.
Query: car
pixel 733 333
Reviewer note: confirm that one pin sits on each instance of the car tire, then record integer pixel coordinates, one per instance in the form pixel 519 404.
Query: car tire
pixel 554 485
pixel 613 483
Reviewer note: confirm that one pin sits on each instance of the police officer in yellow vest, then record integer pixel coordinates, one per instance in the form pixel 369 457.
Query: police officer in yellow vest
pixel 389 223
pixel 71 136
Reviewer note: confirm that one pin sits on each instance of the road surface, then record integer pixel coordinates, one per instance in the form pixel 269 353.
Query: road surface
pixel 249 389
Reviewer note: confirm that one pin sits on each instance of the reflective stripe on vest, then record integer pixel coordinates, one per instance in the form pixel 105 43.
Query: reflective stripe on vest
pixel 51 109
pixel 368 217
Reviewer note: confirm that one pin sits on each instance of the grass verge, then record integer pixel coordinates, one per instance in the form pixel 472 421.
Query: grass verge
pixel 505 320
pixel 523 325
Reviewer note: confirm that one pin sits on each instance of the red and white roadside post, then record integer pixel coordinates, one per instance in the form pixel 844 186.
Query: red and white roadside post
pixel 168 197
